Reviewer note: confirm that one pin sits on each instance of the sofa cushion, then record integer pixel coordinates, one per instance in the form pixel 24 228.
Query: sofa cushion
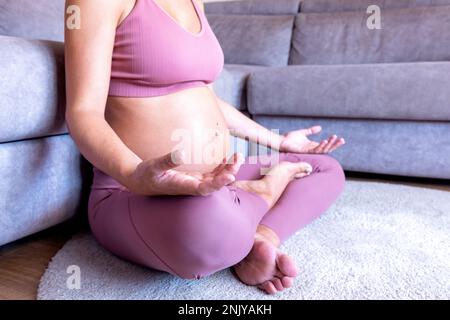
pixel 408 148
pixel 250 7
pixel 314 6
pixel 254 39
pixel 41 185
pixel 32 95
pixel 231 86
pixel 406 91
pixel 38 19
pixel 415 34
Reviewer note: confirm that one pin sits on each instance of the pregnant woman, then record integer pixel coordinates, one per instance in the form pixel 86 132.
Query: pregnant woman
pixel 167 194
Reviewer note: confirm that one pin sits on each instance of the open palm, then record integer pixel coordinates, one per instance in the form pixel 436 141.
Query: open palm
pixel 162 177
pixel 297 141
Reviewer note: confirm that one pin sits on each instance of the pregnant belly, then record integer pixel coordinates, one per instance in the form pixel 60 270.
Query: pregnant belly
pixel 190 120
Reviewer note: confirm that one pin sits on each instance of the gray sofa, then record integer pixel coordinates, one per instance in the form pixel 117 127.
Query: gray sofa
pixel 387 92
pixel 287 66
pixel 40 167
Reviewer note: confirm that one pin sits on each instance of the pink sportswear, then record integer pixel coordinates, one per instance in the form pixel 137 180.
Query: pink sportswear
pixel 154 55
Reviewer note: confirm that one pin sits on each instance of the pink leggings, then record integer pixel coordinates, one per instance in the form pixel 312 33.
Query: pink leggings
pixel 194 236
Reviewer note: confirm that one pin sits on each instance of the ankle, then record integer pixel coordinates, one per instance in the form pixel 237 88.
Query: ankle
pixel 265 233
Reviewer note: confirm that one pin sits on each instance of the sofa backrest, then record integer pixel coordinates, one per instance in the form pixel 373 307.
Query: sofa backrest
pixel 336 32
pixel 254 32
pixel 36 19
pixel 252 7
pixel 321 6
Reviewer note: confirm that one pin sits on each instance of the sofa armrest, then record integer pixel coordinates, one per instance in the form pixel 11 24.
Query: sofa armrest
pixel 401 91
pixel 32 88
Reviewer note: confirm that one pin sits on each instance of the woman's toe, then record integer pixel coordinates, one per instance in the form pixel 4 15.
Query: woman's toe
pixel 286 265
pixel 287 282
pixel 301 175
pixel 268 287
pixel 277 284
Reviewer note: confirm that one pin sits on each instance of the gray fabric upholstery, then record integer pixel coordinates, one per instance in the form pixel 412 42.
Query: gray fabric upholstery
pixel 407 35
pixel 409 91
pixel 255 40
pixel 40 185
pixel 409 148
pixel 314 6
pixel 231 86
pixel 37 19
pixel 252 7
pixel 32 95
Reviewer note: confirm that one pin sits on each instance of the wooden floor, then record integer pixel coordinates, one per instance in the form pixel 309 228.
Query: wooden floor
pixel 23 262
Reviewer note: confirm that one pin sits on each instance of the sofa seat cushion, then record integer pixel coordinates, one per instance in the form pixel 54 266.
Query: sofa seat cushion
pixel 407 91
pixel 36 19
pixel 315 6
pixel 231 86
pixel 41 185
pixel 250 7
pixel 407 148
pixel 254 39
pixel 406 35
pixel 32 94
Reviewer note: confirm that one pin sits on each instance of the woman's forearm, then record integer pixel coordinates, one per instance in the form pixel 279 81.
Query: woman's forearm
pixel 243 127
pixel 101 146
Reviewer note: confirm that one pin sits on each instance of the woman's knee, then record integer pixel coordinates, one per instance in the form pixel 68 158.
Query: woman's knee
pixel 333 169
pixel 329 163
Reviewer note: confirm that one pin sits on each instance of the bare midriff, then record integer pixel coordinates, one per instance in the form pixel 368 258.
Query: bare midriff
pixel 189 119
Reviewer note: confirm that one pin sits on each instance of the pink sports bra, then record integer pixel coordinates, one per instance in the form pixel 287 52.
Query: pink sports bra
pixel 154 55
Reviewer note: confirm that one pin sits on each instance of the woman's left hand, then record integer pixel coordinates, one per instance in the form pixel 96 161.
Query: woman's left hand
pixel 297 142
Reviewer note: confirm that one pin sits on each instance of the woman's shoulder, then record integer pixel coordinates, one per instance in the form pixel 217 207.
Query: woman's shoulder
pixel 101 8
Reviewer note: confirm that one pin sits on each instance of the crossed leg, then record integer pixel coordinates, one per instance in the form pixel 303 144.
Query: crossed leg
pixel 193 236
pixel 302 201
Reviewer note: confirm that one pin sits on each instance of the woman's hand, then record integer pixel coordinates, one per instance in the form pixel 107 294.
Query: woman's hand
pixel 297 142
pixel 158 176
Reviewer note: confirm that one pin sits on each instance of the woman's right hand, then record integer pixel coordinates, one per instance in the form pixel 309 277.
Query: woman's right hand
pixel 159 177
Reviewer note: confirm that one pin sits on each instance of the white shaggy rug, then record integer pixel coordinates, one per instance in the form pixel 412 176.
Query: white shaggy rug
pixel 378 241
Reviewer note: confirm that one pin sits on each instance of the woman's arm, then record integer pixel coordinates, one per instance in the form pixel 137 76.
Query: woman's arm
pixel 295 141
pixel 243 127
pixel 88 55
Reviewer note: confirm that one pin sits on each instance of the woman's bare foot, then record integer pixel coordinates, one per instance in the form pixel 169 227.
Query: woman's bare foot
pixel 275 181
pixel 265 266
